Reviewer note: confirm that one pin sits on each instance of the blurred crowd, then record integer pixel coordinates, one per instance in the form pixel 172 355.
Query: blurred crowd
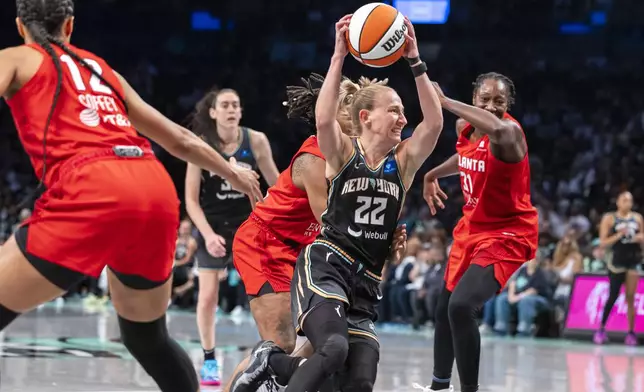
pixel 579 99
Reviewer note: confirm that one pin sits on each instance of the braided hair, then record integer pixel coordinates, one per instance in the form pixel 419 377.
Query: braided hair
pixel 498 77
pixel 301 99
pixel 44 21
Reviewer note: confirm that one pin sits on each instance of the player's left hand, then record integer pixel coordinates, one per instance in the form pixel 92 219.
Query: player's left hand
pixel 639 237
pixel 399 244
pixel 411 47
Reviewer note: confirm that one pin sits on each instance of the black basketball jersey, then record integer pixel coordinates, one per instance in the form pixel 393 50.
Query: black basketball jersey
pixel 220 203
pixel 363 208
pixel 626 248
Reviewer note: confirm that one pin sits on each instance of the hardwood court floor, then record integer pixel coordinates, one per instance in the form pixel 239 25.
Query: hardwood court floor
pixel 70 349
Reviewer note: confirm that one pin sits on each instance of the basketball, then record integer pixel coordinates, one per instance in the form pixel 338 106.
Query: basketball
pixel 376 35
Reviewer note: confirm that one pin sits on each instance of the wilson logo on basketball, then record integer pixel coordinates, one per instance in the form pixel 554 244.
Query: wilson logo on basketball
pixel 397 36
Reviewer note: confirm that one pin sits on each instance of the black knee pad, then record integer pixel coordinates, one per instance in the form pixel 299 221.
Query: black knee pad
pixel 459 310
pixel 334 352
pixel 140 337
pixel 161 357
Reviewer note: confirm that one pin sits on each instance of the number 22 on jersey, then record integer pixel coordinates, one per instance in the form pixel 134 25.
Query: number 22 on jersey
pixel 371 210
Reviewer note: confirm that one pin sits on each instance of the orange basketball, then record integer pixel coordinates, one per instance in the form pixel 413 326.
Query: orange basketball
pixel 376 35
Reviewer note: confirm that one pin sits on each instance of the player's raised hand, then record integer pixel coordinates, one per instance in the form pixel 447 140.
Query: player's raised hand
pixel 246 181
pixel 411 46
pixel 341 29
pixel 433 194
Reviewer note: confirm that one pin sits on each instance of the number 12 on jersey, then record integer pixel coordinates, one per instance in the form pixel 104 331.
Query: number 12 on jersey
pixel 467 183
pixel 370 210
pixel 94 82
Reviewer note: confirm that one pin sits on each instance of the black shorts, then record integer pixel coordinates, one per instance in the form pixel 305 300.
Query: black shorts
pixel 204 259
pixel 324 272
pixel 621 262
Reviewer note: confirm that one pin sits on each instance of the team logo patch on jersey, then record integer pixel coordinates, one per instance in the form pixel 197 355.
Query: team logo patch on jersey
pixel 390 166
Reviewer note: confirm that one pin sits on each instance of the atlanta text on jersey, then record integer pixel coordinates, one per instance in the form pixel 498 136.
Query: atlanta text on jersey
pixel 476 165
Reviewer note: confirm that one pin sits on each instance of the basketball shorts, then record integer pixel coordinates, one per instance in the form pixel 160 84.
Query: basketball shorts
pixel 618 262
pixel 505 252
pixel 324 272
pixel 261 258
pixel 105 210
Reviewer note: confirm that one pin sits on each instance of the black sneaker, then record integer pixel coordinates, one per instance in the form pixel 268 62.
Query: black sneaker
pixel 257 372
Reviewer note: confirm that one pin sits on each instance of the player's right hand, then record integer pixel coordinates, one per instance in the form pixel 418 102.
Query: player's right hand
pixel 433 194
pixel 246 181
pixel 216 245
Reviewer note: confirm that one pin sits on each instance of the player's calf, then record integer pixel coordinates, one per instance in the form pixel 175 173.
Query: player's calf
pixel 272 314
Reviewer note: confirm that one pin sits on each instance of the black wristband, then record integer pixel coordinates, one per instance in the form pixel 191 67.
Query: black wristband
pixel 412 60
pixel 419 69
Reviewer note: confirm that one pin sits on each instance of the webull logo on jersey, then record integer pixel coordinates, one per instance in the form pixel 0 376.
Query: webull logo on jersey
pixel 369 235
pixel 365 183
pixel 477 165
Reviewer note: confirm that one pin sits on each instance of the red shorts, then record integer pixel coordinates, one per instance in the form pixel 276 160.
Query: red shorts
pixel 505 252
pixel 261 258
pixel 106 210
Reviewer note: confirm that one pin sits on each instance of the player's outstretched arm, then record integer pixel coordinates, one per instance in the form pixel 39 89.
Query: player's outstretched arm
pixel 500 131
pixel 185 145
pixel 8 70
pixel 423 141
pixel 335 145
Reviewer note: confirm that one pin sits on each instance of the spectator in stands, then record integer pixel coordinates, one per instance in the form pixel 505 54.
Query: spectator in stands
pixel 432 285
pixel 595 263
pixel 528 294
pixel 417 278
pixel 399 303
pixel 566 262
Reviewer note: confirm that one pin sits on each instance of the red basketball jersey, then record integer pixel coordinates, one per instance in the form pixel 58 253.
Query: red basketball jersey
pixel 88 116
pixel 497 194
pixel 286 209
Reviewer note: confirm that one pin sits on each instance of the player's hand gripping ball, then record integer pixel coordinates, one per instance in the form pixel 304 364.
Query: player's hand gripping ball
pixel 376 35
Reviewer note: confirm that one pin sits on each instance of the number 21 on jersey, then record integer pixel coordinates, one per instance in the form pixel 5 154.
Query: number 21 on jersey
pixel 466 183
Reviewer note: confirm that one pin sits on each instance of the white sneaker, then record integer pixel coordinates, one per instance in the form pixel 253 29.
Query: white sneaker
pixel 428 389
